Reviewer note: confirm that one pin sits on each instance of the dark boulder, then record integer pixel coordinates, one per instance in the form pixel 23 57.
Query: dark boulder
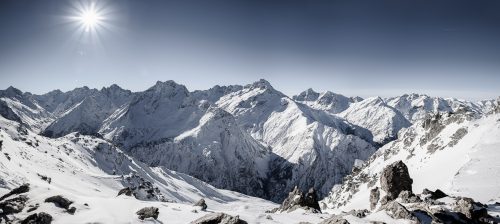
pixel 434 194
pixel 296 199
pixel 394 179
pixel 38 218
pixel 59 201
pixel 148 212
pixel 126 191
pixel 311 199
pixel 219 218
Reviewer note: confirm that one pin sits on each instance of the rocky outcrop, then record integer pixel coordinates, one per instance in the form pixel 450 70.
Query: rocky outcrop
pixel 148 212
pixel 219 218
pixel 201 203
pixel 398 211
pixel 13 205
pixel 38 218
pixel 408 197
pixel 471 209
pixel 297 199
pixel 395 179
pixel 374 197
pixel 19 190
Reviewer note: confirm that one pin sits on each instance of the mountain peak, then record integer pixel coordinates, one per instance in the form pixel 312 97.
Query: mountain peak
pixel 307 95
pixel 169 87
pixel 262 84
pixel 12 91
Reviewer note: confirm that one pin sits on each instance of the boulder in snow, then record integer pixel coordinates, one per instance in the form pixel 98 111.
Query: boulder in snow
pixel 201 203
pixel 59 201
pixel 148 212
pixel 394 179
pixel 219 218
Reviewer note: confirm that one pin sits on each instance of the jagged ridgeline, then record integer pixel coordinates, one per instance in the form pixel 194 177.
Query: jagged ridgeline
pixel 252 139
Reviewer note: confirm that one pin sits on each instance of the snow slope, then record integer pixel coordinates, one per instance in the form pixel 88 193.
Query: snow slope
pixel 88 170
pixel 454 152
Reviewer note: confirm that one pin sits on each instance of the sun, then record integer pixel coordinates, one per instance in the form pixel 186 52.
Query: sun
pixel 90 18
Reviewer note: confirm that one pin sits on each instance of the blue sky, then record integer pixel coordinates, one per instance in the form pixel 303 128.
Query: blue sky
pixel 446 48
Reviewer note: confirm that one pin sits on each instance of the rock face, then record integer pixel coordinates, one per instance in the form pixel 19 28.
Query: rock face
pixel 148 212
pixel 59 201
pixel 394 179
pixel 297 199
pixel 38 218
pixel 201 203
pixel 374 197
pixel 219 218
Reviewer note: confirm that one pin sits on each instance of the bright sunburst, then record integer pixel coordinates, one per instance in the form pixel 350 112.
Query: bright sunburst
pixel 90 18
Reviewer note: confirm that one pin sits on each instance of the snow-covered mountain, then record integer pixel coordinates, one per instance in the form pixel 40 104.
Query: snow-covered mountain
pixel 252 139
pixel 454 152
pixel 314 148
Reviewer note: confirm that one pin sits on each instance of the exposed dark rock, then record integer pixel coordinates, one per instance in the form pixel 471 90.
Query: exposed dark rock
pixel 13 205
pixel 59 201
pixel 374 197
pixel 296 199
pixel 126 191
pixel 398 211
pixel 45 178
pixel 71 210
pixel 408 197
pixel 201 203
pixel 359 213
pixel 334 220
pixel 434 194
pixel 38 218
pixel 19 190
pixel 470 208
pixel 148 212
pixel 394 179
pixel 219 218
pixel 33 207
pixel 311 199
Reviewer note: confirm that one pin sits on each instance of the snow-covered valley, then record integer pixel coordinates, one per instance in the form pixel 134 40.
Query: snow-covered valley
pixel 241 149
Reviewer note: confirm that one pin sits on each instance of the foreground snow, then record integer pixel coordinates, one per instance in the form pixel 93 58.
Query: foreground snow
pixel 85 170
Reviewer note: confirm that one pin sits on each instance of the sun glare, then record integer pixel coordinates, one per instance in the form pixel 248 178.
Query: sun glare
pixel 90 18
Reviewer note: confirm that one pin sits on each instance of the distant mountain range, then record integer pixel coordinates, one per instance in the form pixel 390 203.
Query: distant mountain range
pixel 253 139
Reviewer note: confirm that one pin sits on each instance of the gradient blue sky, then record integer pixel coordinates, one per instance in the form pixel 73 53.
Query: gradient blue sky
pixel 444 48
